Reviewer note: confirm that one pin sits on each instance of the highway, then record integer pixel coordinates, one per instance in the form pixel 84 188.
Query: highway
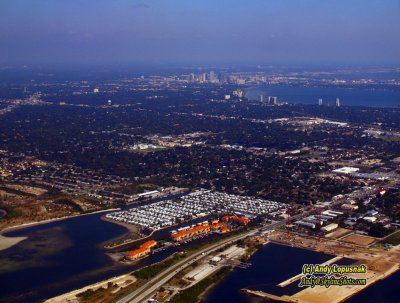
pixel 145 292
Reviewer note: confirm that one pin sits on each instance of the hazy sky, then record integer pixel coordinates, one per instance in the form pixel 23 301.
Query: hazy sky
pixel 264 31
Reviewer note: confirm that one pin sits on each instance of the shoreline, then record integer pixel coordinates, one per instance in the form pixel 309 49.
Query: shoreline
pixel 8 242
pixel 71 296
pixel 35 223
pixel 130 227
pixel 203 296
pixel 383 277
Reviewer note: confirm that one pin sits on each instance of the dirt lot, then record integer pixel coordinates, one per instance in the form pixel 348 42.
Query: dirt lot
pixel 381 263
pixel 359 239
pixel 37 191
pixel 340 232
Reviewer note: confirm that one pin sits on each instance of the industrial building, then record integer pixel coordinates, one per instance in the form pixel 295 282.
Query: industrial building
pixel 330 227
pixel 346 170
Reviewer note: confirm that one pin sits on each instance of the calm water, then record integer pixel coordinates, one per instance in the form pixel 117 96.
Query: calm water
pixel 310 95
pixel 57 256
pixel 61 256
pixel 386 291
pixel 270 266
pixel 275 263
pixel 64 255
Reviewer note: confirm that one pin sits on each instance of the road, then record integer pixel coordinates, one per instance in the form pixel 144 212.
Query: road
pixel 144 292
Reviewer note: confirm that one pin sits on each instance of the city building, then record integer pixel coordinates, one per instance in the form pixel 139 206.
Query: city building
pixel 272 100
pixel 213 77
pixel 239 93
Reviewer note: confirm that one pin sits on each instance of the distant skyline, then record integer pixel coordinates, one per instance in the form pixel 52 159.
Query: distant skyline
pixel 57 32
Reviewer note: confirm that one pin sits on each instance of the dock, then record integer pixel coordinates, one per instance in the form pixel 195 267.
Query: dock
pixel 297 277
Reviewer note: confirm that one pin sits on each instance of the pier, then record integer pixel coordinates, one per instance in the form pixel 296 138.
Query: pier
pixel 297 277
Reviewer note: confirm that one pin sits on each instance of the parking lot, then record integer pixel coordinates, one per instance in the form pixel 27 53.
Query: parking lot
pixel 194 205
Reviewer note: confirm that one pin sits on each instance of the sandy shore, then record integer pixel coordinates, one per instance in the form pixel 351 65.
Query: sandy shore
pixel 71 297
pixel 7 242
pixel 132 228
pixel 21 226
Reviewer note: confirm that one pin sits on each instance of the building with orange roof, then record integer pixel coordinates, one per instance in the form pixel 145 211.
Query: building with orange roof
pixel 142 251
pixel 241 220
pixel 199 230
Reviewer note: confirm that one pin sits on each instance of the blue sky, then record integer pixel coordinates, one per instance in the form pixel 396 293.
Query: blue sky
pixel 162 31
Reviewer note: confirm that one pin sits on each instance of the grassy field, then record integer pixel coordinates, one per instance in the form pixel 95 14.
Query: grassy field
pixel 151 271
pixel 10 212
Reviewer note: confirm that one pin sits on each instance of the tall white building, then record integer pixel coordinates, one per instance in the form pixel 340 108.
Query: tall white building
pixel 272 100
